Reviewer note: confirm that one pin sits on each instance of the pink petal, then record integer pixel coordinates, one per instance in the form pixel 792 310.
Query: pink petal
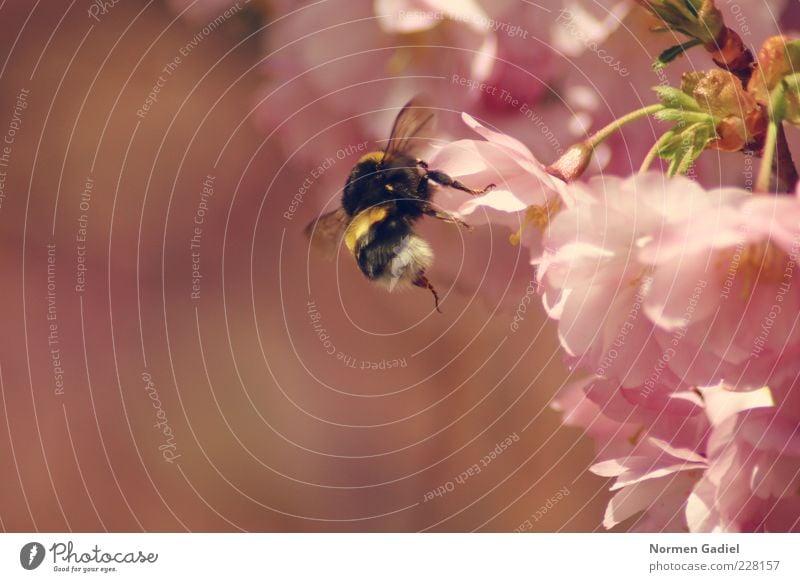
pixel 637 476
pixel 722 403
pixel 682 292
pixel 502 139
pixel 630 501
pixel 702 514
pixel 610 468
pixel 678 453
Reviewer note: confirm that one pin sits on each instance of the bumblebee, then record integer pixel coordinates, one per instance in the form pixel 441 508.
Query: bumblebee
pixel 385 194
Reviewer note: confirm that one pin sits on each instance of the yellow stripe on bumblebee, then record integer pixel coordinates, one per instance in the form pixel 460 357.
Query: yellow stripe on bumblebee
pixel 360 225
pixel 371 157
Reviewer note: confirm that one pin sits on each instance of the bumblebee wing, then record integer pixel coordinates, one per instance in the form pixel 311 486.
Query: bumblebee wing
pixel 327 231
pixel 412 129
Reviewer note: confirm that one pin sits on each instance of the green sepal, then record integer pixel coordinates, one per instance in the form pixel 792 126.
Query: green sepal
pixel 785 100
pixel 674 98
pixel 682 146
pixel 673 52
pixel 684 117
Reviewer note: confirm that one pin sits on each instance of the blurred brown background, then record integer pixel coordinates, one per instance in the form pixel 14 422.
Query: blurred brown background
pixel 265 430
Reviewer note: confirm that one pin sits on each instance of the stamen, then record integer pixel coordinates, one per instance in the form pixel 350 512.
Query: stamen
pixel 635 437
pixel 538 217
pixel 763 263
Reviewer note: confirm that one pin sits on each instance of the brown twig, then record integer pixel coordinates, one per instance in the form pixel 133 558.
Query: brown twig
pixel 729 52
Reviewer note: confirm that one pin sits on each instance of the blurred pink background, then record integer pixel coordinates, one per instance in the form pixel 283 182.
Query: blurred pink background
pixel 266 431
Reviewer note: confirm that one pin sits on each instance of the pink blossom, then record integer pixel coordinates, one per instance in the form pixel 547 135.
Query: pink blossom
pixel 656 484
pixel 657 281
pixel 594 282
pixel 753 474
pixel 660 285
pixel 621 422
pixel 523 188
pixel 520 179
pixel 723 294
pixel 655 455
pixel 719 461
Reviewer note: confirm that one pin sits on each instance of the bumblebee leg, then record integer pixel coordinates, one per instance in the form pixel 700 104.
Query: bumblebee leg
pixel 422 164
pixel 445 180
pixel 446 217
pixel 422 281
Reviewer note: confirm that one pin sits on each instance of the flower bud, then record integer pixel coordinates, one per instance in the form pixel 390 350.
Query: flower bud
pixel 697 19
pixel 721 94
pixel 703 23
pixel 572 164
pixel 778 62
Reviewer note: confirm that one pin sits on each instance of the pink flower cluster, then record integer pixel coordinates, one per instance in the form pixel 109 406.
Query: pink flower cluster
pixel 681 305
